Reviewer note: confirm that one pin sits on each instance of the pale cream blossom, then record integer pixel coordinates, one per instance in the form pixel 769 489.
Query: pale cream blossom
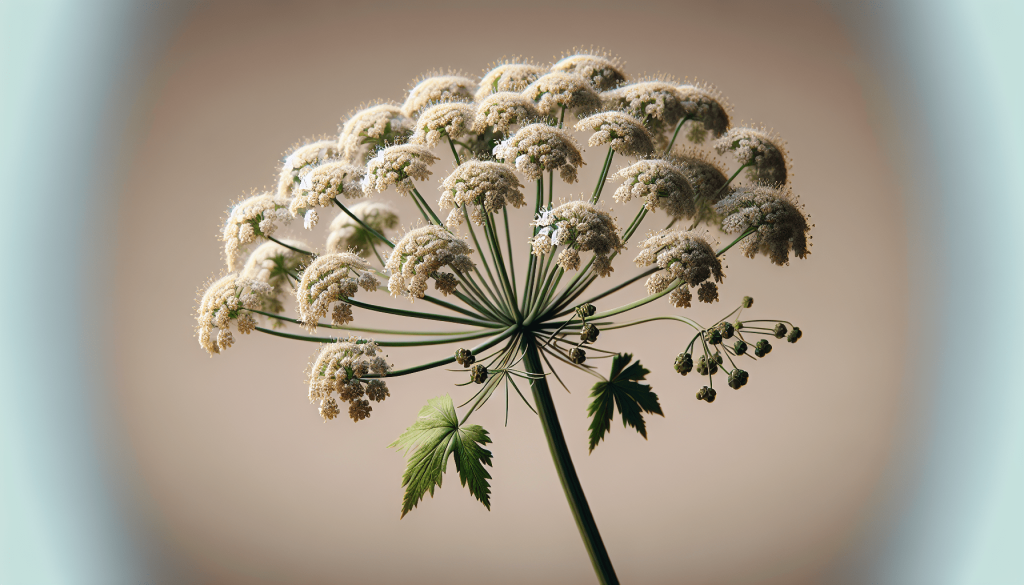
pixel 706 106
pixel 274 264
pixel 502 110
pixel 226 300
pixel 482 186
pixel 299 159
pixel 703 171
pixel 322 184
pixel 347 235
pixel 775 216
pixel 376 125
pixel 624 133
pixel 578 226
pixel 537 148
pixel 661 184
pixel 601 71
pixel 450 120
pixel 328 279
pixel 398 166
pixel 558 90
pixel 761 150
pixel 438 88
pixel 250 219
pixel 338 369
pixel 420 254
pixel 687 256
pixel 659 104
pixel 508 77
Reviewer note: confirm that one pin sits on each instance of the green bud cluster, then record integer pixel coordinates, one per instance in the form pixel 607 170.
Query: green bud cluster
pixel 727 330
pixel 794 335
pixel 740 347
pixel 762 348
pixel 747 302
pixel 737 378
pixel 577 355
pixel 478 373
pixel 464 357
pixel 706 394
pixel 714 336
pixel 684 363
pixel 780 330
pixel 708 367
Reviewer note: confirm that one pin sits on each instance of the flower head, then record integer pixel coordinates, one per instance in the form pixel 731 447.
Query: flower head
pixel 624 133
pixel 397 165
pixel 509 77
pixel 347 235
pixel 502 110
pixel 299 159
pixel 602 72
pixel 272 263
pixel 484 187
pixel 380 124
pixel 537 148
pixel 452 119
pixel 558 90
pixel 250 219
pixel 661 184
pixel 224 301
pixel 328 279
pixel 337 369
pixel 703 172
pixel 322 184
pixel 705 105
pixel 578 226
pixel 438 88
pixel 774 215
pixel 420 254
pixel 659 104
pixel 683 255
pixel 760 150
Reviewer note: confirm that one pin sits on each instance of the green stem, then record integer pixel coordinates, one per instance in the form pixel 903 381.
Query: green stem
pixel 416 343
pixel 372 231
pixel 508 244
pixel 483 257
pixel 426 206
pixel 510 292
pixel 678 127
pixel 564 466
pixel 454 153
pixel 449 360
pixel 604 176
pixel 736 241
pixel 293 248
pixel 359 329
pixel 612 290
pixel 675 283
pixel 419 315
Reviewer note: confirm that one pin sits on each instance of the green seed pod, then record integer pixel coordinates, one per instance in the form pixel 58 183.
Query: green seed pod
pixel 740 347
pixel 780 331
pixel 589 333
pixel 762 348
pixel 702 366
pixel 700 393
pixel 737 378
pixel 478 373
pixel 794 335
pixel 709 395
pixel 470 361
pixel 717 357
pixel 586 310
pixel 738 325
pixel 748 302
pixel 461 355
pixel 727 330
pixel 714 336
pixel 684 363
pixel 577 355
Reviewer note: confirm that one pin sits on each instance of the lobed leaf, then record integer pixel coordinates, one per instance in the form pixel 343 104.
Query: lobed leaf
pixel 623 391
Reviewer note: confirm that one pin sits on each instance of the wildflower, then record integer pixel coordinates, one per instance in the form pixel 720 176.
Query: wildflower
pixel 446 283
pixel 775 217
pixel 484 186
pixel 537 148
pixel 508 77
pixel 603 72
pixel 348 235
pixel 661 184
pixel 322 184
pixel 660 104
pixel 250 219
pixel 419 254
pixel 224 301
pixel 338 369
pixel 446 119
pixel 380 125
pixel 578 226
pixel 703 172
pixel 557 91
pixel 761 151
pixel 503 109
pixel 398 166
pixel 329 278
pixel 299 159
pixel 438 88
pixel 624 133
pixel 681 297
pixel 705 105
pixel 683 255
pixel 273 264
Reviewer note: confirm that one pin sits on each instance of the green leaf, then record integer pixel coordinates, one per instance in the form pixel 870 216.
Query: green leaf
pixel 622 391
pixel 432 439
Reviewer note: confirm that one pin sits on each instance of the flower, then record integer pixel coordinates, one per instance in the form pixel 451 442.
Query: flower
pixel 537 148
pixel 508 77
pixel 348 236
pixel 760 150
pixel 485 186
pixel 624 133
pixel 603 72
pixel 337 369
pixel 687 256
pixel 703 172
pixel 329 278
pixel 502 110
pixel 661 184
pixel 322 184
pixel 558 90
pixel 775 216
pixel 224 301
pixel 272 263
pixel 446 119
pixel 398 166
pixel 705 105
pixel 299 159
pixel 249 219
pixel 421 253
pixel 578 226
pixel 379 124
pixel 659 104
pixel 438 88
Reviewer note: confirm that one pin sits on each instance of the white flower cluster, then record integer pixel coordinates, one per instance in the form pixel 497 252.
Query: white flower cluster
pixel 338 369
pixel 602 72
pixel 624 133
pixel 776 217
pixel 760 149
pixel 578 226
pixel 250 219
pixel 322 184
pixel 482 186
pixel 299 159
pixel 509 77
pixel 658 102
pixel 397 165
pixel 557 90
pixel 684 255
pixel 438 88
pixel 447 119
pixel 537 148
pixel 661 184
pixel 272 263
pixel 347 235
pixel 223 302
pixel 703 172
pixel 377 124
pixel 419 255
pixel 706 105
pixel 502 110
pixel 328 279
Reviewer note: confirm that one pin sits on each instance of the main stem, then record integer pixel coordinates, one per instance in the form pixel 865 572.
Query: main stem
pixel 563 464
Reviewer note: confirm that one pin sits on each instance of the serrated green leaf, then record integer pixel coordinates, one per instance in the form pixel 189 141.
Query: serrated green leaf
pixel 624 392
pixel 432 439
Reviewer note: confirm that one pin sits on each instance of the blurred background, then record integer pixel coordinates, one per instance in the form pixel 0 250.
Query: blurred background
pixel 887 447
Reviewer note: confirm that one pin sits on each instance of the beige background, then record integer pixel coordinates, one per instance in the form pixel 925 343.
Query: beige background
pixel 243 482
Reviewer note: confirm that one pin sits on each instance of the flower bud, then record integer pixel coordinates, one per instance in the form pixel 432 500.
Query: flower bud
pixel 684 363
pixel 478 373
pixel 794 335
pixel 727 330
pixel 714 336
pixel 780 331
pixel 748 302
pixel 577 355
pixel 462 355
pixel 737 378
pixel 740 347
pixel 586 310
pixel 589 333
pixel 762 348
